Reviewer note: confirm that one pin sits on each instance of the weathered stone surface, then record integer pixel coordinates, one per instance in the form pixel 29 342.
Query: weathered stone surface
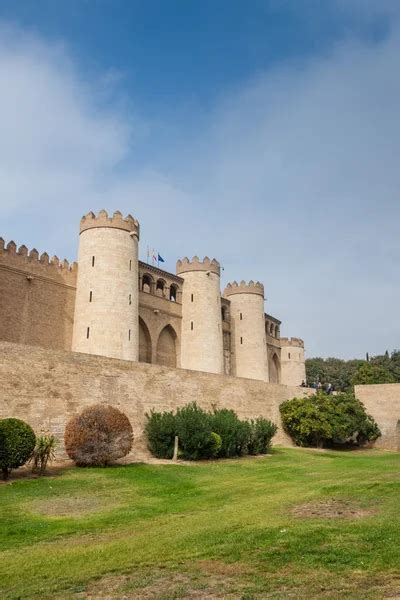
pixel 383 403
pixel 46 388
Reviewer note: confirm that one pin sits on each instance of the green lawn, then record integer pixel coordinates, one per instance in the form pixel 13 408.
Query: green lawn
pixel 297 524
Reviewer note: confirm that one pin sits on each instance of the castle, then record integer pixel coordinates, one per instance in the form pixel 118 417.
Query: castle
pixel 113 305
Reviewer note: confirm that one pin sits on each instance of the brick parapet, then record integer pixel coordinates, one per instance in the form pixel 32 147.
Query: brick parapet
pixel 32 264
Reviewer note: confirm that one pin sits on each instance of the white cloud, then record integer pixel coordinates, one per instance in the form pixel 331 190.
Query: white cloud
pixel 294 180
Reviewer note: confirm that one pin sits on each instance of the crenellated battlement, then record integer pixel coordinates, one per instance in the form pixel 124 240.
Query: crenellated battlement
pixel 32 263
pixel 117 221
pixel 195 264
pixel 295 342
pixel 252 287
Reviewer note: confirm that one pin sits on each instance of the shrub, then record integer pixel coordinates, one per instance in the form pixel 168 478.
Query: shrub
pixel 323 419
pixel 193 427
pixel 216 443
pixel 98 436
pixel 262 432
pixel 17 441
pixel 43 452
pixel 233 434
pixel 161 431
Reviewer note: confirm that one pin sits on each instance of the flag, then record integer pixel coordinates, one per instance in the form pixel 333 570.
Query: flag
pixel 160 258
pixel 154 257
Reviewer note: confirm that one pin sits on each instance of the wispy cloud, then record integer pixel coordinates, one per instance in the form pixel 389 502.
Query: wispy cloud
pixel 292 178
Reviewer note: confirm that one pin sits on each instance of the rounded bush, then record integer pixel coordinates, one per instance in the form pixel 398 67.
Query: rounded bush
pixel 17 442
pixel 99 435
pixel 323 420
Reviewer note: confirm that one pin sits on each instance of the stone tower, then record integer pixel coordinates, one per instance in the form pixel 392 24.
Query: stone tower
pixel 106 307
pixel 249 344
pixel 293 367
pixel 201 338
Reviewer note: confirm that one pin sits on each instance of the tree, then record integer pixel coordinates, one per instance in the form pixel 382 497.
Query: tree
pixel 370 373
pixel 99 435
pixel 17 442
pixel 323 419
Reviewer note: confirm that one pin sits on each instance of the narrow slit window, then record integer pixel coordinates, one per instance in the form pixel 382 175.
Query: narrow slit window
pixel 130 298
pixel 241 340
pixel 191 325
pixel 87 332
pixel 90 296
pixel 192 297
pixel 129 335
pixel 130 265
pixel 289 354
pixel 241 316
pixel 93 261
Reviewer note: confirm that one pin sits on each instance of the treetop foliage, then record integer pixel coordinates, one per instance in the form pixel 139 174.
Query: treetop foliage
pixel 343 374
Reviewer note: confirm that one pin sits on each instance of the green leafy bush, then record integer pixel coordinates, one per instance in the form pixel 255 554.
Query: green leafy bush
pixel 234 436
pixel 99 435
pixel 44 451
pixel 17 441
pixel 216 443
pixel 202 434
pixel 322 420
pixel 262 432
pixel 161 431
pixel 193 427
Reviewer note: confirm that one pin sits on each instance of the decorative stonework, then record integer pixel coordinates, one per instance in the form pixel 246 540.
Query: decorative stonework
pixel 244 288
pixel 117 221
pixel 185 265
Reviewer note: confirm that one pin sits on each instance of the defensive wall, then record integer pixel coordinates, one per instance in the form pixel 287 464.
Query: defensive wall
pixel 45 388
pixel 37 297
pixel 382 401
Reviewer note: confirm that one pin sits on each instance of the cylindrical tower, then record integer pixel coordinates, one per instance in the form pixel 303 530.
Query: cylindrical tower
pixel 201 337
pixel 248 330
pixel 107 300
pixel 293 366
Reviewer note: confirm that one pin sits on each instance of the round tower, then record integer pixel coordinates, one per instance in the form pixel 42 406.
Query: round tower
pixel 293 366
pixel 248 329
pixel 107 299
pixel 201 338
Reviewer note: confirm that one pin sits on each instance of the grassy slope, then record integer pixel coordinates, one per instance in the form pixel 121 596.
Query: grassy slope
pixel 221 529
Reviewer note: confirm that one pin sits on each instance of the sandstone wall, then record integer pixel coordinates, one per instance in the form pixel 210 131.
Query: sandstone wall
pixel 37 298
pixel 383 403
pixel 45 388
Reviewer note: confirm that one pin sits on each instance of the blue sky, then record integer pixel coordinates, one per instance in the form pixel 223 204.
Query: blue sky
pixel 264 133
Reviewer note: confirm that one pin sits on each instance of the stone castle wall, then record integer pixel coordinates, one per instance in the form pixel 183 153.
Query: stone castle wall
pixel 45 388
pixel 37 298
pixel 383 403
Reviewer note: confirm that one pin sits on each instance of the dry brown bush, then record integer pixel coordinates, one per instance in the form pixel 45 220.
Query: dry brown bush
pixel 99 435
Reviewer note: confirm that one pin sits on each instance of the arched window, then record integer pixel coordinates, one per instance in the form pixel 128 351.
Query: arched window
pixel 173 292
pixel 147 283
pixel 271 329
pixel 160 288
